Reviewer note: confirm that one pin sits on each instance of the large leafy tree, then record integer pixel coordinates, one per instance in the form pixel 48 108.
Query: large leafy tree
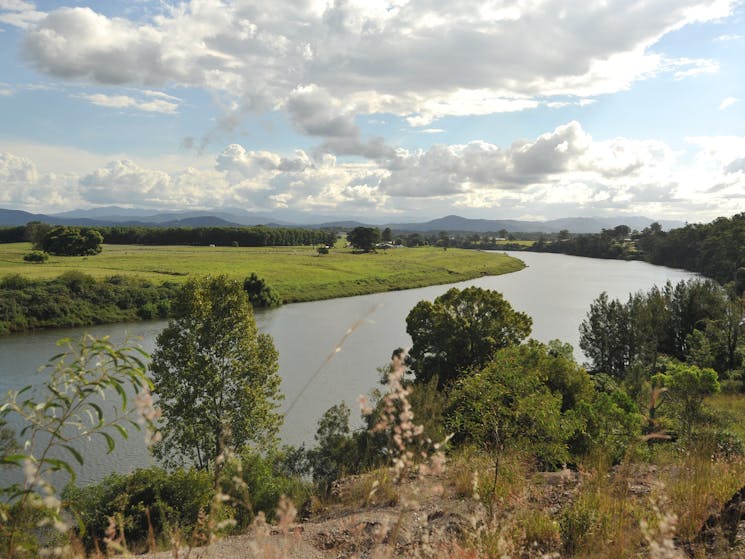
pixel 518 400
pixel 215 375
pixel 364 238
pixel 460 331
pixel 72 241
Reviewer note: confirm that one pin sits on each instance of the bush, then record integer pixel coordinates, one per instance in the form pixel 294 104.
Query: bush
pixel 263 483
pixel 15 282
pixel 526 398
pixel 259 293
pixel 36 257
pixel 144 498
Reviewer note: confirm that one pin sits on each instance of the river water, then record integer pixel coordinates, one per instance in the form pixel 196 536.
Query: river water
pixel 555 290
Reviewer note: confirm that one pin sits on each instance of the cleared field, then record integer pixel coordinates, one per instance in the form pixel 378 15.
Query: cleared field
pixel 508 243
pixel 298 273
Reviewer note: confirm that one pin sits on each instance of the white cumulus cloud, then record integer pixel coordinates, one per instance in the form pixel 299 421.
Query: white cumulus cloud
pixel 326 63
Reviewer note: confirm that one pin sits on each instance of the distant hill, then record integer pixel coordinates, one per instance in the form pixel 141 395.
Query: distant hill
pixel 573 224
pixel 125 216
pixel 226 217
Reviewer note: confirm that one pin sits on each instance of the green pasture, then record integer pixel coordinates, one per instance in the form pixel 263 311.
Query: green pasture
pixel 298 273
pixel 516 242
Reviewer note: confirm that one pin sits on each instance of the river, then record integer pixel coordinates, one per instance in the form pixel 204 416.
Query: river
pixel 555 290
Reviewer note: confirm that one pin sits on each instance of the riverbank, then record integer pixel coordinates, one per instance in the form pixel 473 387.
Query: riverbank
pixel 299 274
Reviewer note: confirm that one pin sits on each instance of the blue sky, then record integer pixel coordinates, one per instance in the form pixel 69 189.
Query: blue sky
pixel 404 109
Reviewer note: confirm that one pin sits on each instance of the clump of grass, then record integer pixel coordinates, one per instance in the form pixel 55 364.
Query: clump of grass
pixel 697 485
pixel 603 520
pixel 471 474
pixel 539 530
pixel 371 489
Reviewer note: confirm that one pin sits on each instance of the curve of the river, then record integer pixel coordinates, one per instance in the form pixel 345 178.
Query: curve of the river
pixel 555 290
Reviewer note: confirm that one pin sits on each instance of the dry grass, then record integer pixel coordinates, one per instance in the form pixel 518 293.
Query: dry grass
pixel 698 486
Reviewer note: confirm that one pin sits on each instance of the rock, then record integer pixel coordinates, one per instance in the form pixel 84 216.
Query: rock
pixel 727 527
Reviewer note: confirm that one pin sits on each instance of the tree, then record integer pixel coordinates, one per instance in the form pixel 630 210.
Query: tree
pixel 387 235
pixel 460 331
pixel 260 294
pixel 687 386
pixel 511 403
pixel 35 232
pixel 72 241
pixel 364 238
pixel 215 375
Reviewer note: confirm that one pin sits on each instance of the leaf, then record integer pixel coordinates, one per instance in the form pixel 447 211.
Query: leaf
pixel 16 459
pixel 78 457
pixel 109 441
pixel 122 431
pixel 98 410
pixel 22 390
pixel 122 394
pixel 59 465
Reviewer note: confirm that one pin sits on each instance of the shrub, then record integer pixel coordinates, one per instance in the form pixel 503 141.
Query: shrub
pixel 262 485
pixel 15 282
pixel 259 293
pixel 36 257
pixel 143 500
pixel 525 398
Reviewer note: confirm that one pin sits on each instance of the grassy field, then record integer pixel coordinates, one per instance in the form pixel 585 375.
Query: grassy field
pixel 298 273
pixel 521 243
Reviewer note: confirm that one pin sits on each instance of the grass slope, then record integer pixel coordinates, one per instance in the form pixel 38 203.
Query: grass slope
pixel 298 273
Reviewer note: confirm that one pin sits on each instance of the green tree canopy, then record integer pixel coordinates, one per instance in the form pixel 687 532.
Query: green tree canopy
pixel 364 238
pixel 260 294
pixel 215 375
pixel 461 330
pixel 687 386
pixel 517 401
pixel 72 241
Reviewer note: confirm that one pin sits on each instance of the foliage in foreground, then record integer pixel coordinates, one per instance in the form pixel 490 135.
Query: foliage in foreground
pixel 56 421
pixel 157 508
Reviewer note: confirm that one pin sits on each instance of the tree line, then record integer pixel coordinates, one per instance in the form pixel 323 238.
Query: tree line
pixel 716 249
pixel 76 299
pixel 256 236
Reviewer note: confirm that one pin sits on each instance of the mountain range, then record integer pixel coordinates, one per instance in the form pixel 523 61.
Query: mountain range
pixel 235 217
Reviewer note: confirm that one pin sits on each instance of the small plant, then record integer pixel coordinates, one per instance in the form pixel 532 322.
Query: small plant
pixel 36 257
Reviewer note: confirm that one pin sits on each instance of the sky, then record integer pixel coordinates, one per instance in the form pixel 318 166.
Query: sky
pixel 376 110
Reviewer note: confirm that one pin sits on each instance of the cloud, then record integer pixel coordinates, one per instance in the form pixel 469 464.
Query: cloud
pixel 19 13
pixel 123 181
pixel 727 102
pixel 14 169
pixel 567 152
pixel 155 102
pixel 315 112
pixel 563 171
pixel 25 187
pixel 327 63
